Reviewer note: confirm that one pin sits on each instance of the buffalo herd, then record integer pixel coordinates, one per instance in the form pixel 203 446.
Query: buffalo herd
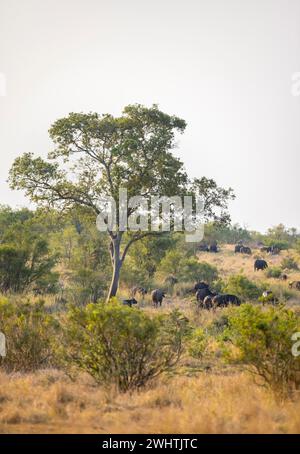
pixel 207 299
pixel 205 296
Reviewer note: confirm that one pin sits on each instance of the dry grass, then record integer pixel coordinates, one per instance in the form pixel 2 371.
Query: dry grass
pixel 49 402
pixel 200 400
pixel 229 263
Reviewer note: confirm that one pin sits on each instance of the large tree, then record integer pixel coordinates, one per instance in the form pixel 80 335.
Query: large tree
pixel 96 155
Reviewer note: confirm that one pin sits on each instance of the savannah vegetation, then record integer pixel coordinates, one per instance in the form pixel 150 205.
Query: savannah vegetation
pixel 78 360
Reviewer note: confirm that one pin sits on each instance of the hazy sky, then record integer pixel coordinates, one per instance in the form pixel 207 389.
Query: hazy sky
pixel 225 66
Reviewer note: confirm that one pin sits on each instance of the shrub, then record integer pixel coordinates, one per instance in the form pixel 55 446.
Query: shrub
pixel 242 287
pixel 198 343
pixel 289 263
pixel 88 286
pixel 278 244
pixel 29 332
pixel 182 289
pixel 274 272
pixel 123 346
pixel 262 340
pixel 186 268
pixel 22 265
pixel 192 270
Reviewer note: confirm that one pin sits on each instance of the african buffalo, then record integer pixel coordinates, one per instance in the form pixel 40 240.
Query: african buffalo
pixel 200 285
pixel 203 293
pixel 213 248
pixel 295 285
pixel 141 290
pixel 225 300
pixel 203 248
pixel 129 302
pixel 157 297
pixel 260 264
pixel 265 249
pixel 207 303
pixel 270 250
pixel 238 248
pixel 269 297
pixel 245 250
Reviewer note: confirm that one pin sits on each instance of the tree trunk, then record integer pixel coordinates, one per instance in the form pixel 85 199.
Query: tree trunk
pixel 114 285
pixel 117 264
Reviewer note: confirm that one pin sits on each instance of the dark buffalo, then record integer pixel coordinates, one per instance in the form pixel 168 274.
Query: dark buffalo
pixel 141 290
pixel 225 300
pixel 260 264
pixel 213 248
pixel 245 250
pixel 207 303
pixel 270 250
pixel 203 248
pixel 274 250
pixel 295 285
pixel 238 248
pixel 284 277
pixel 200 285
pixel 129 302
pixel 203 293
pixel 157 297
pixel 265 249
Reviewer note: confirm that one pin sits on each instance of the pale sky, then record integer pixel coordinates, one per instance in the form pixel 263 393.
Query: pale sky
pixel 225 66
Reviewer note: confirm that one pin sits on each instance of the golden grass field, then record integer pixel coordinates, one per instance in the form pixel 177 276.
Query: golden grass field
pixel 49 402
pixel 198 399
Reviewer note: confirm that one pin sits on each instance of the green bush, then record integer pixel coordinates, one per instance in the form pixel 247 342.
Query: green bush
pixel 274 272
pixel 22 265
pixel 186 269
pixel 261 339
pixel 198 343
pixel 242 287
pixel 279 244
pixel 289 263
pixel 29 332
pixel 123 346
pixel 192 270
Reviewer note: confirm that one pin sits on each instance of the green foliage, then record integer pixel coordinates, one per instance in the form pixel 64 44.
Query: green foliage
pixel 185 268
pixel 145 256
pixel 261 339
pixel 29 332
pixel 274 272
pixel 23 264
pixel 270 298
pixel 297 245
pixel 242 287
pixel 289 263
pixel 279 244
pixel 230 234
pixel 198 342
pixel 123 346
pixel 201 271
pixel 96 155
pixel 10 217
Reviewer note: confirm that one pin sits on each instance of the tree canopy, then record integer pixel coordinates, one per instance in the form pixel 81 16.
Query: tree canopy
pixel 96 155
